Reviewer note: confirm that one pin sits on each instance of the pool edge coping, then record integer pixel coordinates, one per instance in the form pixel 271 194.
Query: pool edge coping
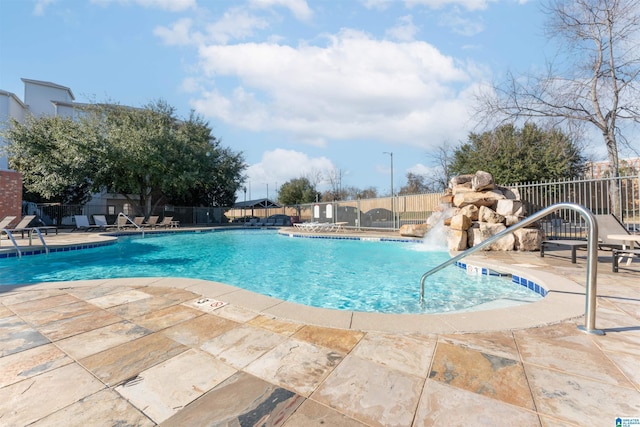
pixel 564 301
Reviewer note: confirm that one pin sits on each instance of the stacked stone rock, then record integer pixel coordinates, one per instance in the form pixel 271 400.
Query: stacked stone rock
pixel 480 209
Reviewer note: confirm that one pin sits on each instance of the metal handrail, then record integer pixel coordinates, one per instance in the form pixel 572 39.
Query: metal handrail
pixel 592 258
pixel 13 240
pixel 37 230
pixel 132 222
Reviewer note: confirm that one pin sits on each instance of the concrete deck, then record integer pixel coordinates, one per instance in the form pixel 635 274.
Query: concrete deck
pixel 161 351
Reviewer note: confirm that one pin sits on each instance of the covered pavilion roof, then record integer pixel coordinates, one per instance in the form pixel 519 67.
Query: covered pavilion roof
pixel 258 203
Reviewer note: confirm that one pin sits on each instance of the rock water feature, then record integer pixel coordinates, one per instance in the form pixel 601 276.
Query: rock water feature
pixel 474 209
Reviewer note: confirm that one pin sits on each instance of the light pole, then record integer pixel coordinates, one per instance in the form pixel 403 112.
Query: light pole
pixel 266 204
pixel 393 212
pixel 244 214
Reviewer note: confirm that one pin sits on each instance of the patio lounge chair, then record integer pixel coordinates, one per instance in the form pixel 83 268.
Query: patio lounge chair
pixel 167 222
pixel 151 222
pixel 101 221
pixel 22 226
pixel 82 223
pixel 574 245
pixel 306 226
pixel 607 224
pixel 6 221
pixel 138 223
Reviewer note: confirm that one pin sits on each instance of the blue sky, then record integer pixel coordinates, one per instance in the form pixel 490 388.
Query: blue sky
pixel 302 88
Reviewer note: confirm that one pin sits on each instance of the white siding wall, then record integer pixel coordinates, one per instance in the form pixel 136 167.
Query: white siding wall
pixel 10 108
pixel 38 97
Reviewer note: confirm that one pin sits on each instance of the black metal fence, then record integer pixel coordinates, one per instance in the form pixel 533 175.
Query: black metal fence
pixel 594 194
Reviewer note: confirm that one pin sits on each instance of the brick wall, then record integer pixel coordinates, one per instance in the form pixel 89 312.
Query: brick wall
pixel 10 194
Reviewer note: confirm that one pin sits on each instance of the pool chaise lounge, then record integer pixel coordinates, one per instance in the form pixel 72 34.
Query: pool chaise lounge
pixel 82 223
pixel 166 222
pixel 6 221
pixel 23 227
pixel 152 222
pixel 319 227
pixel 607 224
pixel 101 221
pixel 574 245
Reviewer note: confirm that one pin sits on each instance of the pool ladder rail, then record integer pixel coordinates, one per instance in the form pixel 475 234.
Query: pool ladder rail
pixel 15 243
pixel 592 258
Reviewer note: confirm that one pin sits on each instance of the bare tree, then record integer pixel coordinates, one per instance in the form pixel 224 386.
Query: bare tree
pixel 596 83
pixel 335 181
pixel 443 157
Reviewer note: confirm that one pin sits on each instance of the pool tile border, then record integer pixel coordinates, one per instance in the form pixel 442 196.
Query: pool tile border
pixel 39 250
pixel 517 279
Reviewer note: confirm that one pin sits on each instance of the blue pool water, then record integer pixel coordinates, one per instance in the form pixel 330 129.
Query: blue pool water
pixel 340 274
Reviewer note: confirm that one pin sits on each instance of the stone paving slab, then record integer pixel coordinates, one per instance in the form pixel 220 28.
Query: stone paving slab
pixel 126 361
pixel 27 401
pixel 105 407
pixel 18 336
pixel 297 365
pixel 241 400
pixel 100 339
pixel 445 405
pixel 493 376
pixel 372 393
pixel 164 389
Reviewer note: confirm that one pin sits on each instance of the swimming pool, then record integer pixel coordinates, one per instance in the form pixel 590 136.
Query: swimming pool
pixel 356 275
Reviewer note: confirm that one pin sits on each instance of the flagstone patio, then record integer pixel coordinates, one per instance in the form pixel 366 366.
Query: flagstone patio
pixel 160 351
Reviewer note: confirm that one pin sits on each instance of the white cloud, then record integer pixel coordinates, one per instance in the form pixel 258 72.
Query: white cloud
pixel 406 30
pixel 40 5
pixel 279 166
pixel 170 5
pixel 432 4
pixel 422 170
pixel 439 4
pixel 178 34
pixel 353 88
pixel 235 24
pixel 461 25
pixel 299 8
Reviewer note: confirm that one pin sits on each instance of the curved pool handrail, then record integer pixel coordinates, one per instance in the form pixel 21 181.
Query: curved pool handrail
pixel 592 257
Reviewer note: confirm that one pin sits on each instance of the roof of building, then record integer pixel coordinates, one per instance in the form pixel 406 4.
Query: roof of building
pixel 14 96
pixel 258 203
pixel 50 84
